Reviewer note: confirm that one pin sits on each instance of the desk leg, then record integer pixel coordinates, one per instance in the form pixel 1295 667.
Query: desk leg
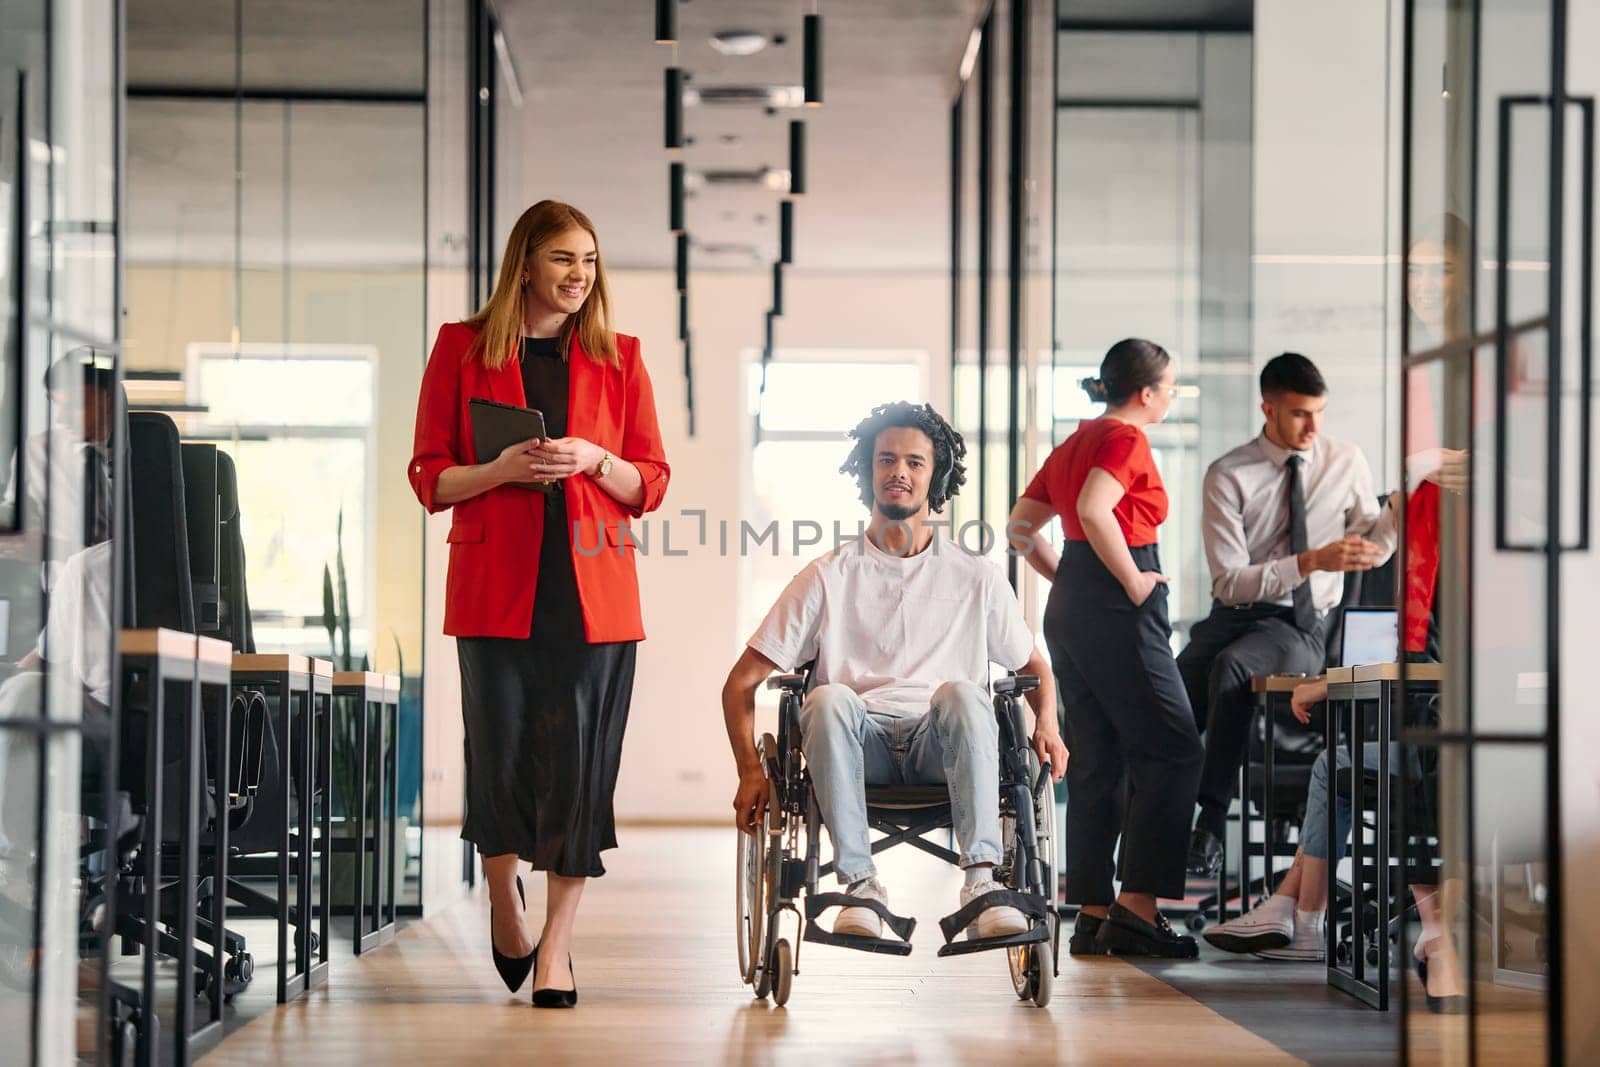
pixel 392 715
pixel 155 744
pixel 286 762
pixel 1269 853
pixel 1385 711
pixel 1358 926
pixel 394 815
pixel 219 847
pixel 1330 925
pixel 303 757
pixel 188 871
pixel 361 708
pixel 325 788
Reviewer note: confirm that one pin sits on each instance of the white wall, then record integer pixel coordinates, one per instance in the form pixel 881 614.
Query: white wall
pixel 1321 172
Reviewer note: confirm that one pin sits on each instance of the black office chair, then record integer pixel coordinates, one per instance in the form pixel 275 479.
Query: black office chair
pixel 159 571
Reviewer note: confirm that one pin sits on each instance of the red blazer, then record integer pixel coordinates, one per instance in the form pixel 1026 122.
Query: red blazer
pixel 494 540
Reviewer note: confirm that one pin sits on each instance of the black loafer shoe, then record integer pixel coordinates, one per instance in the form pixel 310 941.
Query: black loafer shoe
pixel 1084 932
pixel 1205 854
pixel 1125 934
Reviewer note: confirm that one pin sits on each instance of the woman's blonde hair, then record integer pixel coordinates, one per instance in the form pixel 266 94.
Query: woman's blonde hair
pixel 499 322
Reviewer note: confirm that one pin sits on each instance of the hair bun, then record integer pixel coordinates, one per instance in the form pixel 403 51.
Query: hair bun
pixel 1096 388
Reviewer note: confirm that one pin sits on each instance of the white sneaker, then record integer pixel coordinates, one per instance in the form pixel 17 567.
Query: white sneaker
pixel 1270 925
pixel 997 921
pixel 862 922
pixel 1307 945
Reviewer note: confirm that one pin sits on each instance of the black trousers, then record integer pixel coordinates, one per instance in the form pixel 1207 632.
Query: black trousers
pixel 1226 650
pixel 1135 752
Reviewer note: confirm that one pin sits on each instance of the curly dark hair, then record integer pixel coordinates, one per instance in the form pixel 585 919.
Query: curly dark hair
pixel 949 473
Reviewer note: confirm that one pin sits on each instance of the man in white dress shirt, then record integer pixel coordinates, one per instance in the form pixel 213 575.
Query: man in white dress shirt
pixel 1285 516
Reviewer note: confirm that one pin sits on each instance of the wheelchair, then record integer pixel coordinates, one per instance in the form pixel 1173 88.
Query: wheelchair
pixel 779 871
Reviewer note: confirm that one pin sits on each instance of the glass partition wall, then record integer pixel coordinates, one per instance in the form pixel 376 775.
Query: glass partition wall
pixel 276 296
pixel 59 367
pixel 1497 236
pixel 1152 239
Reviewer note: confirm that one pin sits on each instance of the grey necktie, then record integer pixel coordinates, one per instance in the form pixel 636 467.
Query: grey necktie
pixel 1305 612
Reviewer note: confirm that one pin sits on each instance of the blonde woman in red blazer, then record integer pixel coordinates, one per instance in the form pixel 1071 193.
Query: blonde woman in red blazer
pixel 542 594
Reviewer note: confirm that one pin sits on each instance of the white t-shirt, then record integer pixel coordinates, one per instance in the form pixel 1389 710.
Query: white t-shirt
pixel 894 629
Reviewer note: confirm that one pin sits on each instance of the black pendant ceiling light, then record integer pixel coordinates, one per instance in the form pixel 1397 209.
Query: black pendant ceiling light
pixel 786 232
pixel 674 119
pixel 675 197
pixel 797 157
pixel 666 21
pixel 812 51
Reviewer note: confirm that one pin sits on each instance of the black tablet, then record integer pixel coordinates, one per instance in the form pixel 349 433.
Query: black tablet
pixel 496 427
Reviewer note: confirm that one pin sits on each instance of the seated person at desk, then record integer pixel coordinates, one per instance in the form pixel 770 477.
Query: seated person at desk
pixel 76 642
pixel 1289 925
pixel 82 412
pixel 1284 516
pixel 902 629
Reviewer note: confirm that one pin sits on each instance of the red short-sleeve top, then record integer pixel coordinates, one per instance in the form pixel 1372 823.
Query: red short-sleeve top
pixel 1123 451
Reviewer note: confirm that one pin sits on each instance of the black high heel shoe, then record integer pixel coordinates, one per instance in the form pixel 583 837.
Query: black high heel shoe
pixel 1454 1005
pixel 513 969
pixel 557 998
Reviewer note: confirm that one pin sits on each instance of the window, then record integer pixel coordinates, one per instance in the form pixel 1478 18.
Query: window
pixel 794 468
pixel 298 422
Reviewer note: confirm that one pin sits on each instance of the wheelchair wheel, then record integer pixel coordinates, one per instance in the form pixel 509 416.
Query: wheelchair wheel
pixel 782 971
pixel 751 907
pixel 1019 959
pixel 1043 977
pixel 1033 969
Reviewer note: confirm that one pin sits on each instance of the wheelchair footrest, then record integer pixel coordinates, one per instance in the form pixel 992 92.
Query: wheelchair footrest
pixel 1038 932
pixel 885 945
pixel 817 903
pixel 1030 904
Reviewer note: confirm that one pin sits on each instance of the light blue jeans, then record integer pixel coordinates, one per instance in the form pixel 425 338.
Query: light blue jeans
pixel 849 748
pixel 1314 831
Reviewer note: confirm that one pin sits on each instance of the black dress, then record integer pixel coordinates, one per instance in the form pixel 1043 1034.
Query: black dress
pixel 545 715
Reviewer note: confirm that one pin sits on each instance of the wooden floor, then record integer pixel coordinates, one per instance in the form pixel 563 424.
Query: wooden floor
pixel 658 982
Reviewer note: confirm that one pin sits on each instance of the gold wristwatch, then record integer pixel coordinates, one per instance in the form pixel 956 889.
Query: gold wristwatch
pixel 605 465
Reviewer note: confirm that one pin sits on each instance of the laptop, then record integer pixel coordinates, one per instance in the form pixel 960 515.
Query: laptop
pixel 1371 635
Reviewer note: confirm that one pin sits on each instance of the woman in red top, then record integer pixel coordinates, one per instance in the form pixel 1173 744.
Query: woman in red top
pixel 1128 721
pixel 541 593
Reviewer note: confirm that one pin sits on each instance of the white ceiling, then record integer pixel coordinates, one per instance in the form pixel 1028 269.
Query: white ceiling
pixel 878 150
pixel 590 130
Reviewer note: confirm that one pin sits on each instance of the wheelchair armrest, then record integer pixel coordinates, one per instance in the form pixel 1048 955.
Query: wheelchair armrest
pixel 791 683
pixel 1015 685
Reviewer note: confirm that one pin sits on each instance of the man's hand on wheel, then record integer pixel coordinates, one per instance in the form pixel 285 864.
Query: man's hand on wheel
pixel 750 802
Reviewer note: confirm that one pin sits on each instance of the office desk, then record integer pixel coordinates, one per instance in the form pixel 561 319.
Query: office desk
pixel 374 702
pixel 193 673
pixel 304 688
pixel 1360 692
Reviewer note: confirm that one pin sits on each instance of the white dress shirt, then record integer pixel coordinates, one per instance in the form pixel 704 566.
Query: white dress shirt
pixel 1246 519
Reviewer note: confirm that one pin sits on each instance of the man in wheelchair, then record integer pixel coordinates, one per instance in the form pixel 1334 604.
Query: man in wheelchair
pixel 901 627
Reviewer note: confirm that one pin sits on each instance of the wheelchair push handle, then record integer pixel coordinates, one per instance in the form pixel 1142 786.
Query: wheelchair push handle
pixel 1016 684
pixel 793 683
